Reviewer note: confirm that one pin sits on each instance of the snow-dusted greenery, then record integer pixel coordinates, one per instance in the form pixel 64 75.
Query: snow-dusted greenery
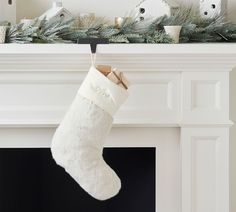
pixel 194 29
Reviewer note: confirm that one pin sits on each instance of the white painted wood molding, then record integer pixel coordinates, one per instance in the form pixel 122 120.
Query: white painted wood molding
pixel 182 85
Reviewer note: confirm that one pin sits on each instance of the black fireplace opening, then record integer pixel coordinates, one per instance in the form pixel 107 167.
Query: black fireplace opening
pixel 30 181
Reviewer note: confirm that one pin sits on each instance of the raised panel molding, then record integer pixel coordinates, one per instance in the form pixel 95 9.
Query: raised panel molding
pixel 205 97
pixel 205 169
pixel 160 98
pixel 39 98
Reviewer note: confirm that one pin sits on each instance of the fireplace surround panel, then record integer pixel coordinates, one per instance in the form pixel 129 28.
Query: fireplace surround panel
pixel 179 104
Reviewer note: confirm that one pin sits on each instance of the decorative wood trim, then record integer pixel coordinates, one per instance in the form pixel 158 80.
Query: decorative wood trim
pixel 128 57
pixel 205 180
pixel 205 97
pixel 185 85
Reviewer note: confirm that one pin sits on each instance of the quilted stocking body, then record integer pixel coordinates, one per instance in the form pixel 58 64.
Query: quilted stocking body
pixel 78 142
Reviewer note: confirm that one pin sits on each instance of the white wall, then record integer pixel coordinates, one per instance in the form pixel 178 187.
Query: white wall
pixel 233 142
pixel 232 10
pixel 108 8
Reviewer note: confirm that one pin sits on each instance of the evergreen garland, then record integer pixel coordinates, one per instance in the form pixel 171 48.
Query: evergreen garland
pixel 194 29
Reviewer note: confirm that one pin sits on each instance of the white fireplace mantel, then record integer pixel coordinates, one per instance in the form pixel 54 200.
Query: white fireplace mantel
pixel 184 86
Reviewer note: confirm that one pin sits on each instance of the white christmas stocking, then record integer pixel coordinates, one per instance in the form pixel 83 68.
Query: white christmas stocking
pixel 78 142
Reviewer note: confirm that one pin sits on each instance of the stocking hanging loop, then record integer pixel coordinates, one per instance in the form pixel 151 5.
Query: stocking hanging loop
pixel 93 59
pixel 93 45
